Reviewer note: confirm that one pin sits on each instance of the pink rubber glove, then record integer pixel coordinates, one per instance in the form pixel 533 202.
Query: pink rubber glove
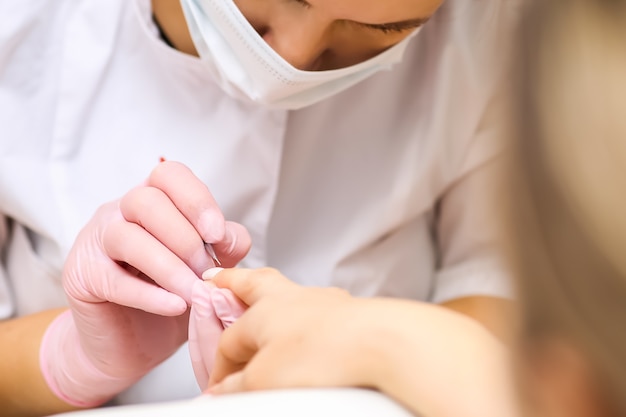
pixel 212 310
pixel 129 279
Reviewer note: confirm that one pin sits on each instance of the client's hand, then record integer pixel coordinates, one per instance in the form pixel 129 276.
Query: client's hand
pixel 291 336
pixel 129 279
pixel 419 354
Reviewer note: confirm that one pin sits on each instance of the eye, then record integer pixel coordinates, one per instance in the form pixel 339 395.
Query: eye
pixel 303 3
pixel 391 28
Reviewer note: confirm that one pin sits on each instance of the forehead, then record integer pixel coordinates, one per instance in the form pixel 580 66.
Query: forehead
pixel 376 11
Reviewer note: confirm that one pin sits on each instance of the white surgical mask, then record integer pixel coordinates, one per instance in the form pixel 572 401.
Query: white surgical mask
pixel 246 67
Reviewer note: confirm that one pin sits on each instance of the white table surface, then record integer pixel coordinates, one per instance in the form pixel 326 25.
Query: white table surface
pixel 288 403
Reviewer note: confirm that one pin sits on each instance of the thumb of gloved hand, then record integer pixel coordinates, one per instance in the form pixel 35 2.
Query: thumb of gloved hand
pixel 212 310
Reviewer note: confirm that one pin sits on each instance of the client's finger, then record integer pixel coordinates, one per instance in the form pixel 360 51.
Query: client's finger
pixel 250 285
pixel 231 384
pixel 237 346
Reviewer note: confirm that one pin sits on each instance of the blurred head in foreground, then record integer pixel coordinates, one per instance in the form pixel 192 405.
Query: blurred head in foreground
pixel 567 207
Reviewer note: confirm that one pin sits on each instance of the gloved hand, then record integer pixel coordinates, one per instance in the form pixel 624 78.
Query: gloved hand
pixel 129 279
pixel 212 311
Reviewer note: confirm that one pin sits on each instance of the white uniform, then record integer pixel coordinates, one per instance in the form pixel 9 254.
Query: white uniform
pixel 376 190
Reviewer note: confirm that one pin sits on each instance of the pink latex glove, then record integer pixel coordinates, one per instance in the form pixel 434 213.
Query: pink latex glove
pixel 129 279
pixel 212 310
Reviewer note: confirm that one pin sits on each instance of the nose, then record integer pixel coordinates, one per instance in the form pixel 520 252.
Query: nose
pixel 302 45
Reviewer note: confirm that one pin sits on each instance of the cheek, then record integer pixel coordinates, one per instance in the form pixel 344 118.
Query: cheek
pixel 352 45
pixel 256 12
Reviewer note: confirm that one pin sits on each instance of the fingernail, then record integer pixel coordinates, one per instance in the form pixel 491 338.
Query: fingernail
pixel 211 227
pixel 211 273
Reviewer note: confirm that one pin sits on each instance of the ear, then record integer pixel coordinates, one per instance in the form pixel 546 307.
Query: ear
pixel 558 381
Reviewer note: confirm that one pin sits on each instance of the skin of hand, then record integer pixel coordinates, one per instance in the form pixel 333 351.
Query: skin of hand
pixel 420 354
pixel 129 279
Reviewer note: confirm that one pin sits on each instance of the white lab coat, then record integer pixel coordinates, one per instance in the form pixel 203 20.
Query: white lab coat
pixel 377 190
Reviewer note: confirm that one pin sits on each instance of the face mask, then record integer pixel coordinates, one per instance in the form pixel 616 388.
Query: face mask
pixel 246 67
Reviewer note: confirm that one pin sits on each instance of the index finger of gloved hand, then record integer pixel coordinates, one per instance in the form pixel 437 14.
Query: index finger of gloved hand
pixel 130 243
pixel 251 285
pixel 152 209
pixel 127 289
pixel 234 246
pixel 192 198
pixel 205 329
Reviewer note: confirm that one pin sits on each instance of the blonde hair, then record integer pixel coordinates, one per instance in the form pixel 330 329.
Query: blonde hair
pixel 567 197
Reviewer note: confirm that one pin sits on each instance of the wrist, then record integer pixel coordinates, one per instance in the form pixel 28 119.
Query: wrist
pixel 381 345
pixel 67 370
pixel 432 353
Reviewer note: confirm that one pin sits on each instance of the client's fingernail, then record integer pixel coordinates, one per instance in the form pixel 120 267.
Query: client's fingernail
pixel 211 273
